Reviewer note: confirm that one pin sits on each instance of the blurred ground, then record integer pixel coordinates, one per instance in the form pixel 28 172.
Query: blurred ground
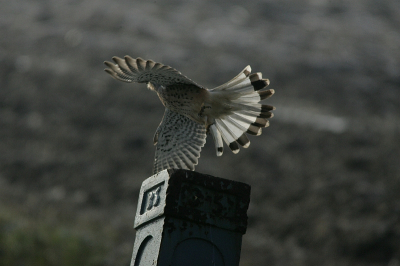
pixel 76 144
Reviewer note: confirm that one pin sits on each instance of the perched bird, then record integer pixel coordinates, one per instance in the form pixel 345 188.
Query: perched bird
pixel 227 112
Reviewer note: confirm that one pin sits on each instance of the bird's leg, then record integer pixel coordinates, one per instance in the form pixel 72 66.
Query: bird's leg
pixel 208 129
pixel 209 123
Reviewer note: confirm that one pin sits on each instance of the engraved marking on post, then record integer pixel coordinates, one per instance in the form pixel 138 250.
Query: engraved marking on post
pixel 151 198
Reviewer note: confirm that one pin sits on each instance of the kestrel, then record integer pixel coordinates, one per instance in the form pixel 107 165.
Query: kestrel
pixel 227 112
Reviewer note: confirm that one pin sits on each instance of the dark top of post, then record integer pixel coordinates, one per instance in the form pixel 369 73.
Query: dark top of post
pixel 196 197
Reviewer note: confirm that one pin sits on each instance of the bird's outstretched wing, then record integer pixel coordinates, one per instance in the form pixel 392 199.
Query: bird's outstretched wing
pixel 139 70
pixel 178 141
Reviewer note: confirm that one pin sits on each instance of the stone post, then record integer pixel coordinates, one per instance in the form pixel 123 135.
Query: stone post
pixel 185 218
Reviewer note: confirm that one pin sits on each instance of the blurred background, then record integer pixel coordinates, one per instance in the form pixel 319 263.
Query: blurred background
pixel 76 144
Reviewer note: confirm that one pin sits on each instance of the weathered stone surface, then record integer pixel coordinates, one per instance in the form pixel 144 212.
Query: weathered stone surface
pixel 187 218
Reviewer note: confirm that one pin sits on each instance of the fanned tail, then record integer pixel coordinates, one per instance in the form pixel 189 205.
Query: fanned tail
pixel 219 146
pixel 246 114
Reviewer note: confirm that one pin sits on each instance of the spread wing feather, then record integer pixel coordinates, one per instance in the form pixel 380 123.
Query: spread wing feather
pixel 179 142
pixel 128 69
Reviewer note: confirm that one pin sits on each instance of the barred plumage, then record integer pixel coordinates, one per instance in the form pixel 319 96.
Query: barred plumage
pixel 227 112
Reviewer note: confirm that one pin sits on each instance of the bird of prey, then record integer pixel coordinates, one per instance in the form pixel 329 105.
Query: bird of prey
pixel 227 112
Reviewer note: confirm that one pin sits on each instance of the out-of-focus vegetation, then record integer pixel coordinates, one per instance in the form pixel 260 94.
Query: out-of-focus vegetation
pixel 25 243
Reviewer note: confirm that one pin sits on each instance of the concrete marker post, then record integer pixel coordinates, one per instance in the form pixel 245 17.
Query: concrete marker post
pixel 187 218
